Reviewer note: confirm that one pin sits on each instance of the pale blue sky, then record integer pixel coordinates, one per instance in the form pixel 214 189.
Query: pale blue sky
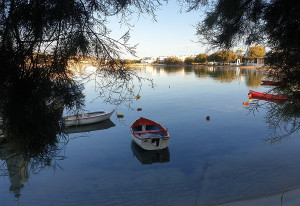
pixel 172 34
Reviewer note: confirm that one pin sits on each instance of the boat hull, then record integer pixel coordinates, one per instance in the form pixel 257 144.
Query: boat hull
pixel 87 118
pixel 266 96
pixel 152 144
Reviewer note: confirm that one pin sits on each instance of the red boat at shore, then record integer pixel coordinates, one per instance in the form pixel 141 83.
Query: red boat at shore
pixel 265 82
pixel 266 96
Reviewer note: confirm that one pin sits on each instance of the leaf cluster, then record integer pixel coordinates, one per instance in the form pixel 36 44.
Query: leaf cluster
pixel 256 52
pixel 173 61
pixel 201 58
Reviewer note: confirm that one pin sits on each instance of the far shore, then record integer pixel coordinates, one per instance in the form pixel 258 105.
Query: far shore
pixel 239 66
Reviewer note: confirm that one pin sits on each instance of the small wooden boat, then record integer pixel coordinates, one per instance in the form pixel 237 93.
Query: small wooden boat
pixel 266 96
pixel 87 118
pixel 149 135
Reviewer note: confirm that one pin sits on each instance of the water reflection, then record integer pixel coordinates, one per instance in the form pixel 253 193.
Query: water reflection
pixel 282 117
pixel 252 77
pixel 150 156
pixel 90 127
pixel 31 107
pixel 17 168
pixel 32 137
pixel 222 155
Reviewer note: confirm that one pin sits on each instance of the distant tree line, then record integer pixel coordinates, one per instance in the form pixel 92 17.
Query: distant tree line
pixel 222 56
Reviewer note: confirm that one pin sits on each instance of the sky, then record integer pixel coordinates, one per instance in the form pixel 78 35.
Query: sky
pixel 173 34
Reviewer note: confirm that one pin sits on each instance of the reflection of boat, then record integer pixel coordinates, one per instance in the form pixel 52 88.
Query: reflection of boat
pixel 149 134
pixel 266 96
pixel 87 118
pixel 150 156
pixel 90 127
pixel 265 82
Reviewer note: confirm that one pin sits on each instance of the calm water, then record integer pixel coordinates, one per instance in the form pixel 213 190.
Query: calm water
pixel 212 162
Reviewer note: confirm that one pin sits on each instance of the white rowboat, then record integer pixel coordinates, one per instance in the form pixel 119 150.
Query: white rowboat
pixel 86 118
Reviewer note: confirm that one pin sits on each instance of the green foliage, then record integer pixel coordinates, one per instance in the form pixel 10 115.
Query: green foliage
pixel 201 58
pixel 224 56
pixel 256 52
pixel 189 60
pixel 173 61
pixel 239 51
pixel 214 57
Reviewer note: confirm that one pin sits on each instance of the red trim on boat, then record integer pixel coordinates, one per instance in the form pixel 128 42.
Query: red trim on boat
pixel 143 121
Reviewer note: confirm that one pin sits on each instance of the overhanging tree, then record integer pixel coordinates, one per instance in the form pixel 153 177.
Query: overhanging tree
pixel 37 40
pixel 275 23
pixel 47 33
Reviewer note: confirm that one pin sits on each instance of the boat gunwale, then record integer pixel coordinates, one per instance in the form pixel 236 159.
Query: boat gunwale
pixel 145 138
pixel 161 129
pixel 80 118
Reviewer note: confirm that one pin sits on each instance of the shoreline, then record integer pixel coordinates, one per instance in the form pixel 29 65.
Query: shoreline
pixel 196 65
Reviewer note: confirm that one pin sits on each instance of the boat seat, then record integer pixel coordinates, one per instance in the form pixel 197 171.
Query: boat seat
pixel 147 131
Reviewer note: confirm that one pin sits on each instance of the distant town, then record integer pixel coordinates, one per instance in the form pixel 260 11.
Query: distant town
pixel 254 56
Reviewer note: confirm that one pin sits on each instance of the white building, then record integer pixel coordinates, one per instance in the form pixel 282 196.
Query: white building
pixel 147 60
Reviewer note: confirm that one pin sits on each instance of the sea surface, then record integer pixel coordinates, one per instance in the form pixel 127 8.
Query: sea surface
pixel 231 159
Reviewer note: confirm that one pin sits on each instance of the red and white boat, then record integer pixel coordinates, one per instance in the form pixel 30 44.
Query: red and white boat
pixel 266 96
pixel 149 135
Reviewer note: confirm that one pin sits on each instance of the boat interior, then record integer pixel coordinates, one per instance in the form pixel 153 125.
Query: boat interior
pixel 154 130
